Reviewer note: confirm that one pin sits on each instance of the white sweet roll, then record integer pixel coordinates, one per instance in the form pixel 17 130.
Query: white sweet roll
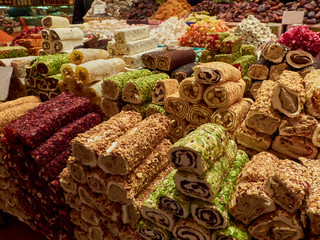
pixel 66 33
pixel 134 60
pixel 133 47
pixel 66 45
pixel 131 34
pixel 47 45
pixel 83 55
pixel 55 22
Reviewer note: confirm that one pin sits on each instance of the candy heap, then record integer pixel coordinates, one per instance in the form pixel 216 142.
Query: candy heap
pixel 57 37
pixel 208 163
pixel 103 195
pixel 36 149
pixel 310 8
pixel 141 10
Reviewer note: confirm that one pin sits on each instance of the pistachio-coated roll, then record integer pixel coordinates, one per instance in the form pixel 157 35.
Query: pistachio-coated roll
pixel 234 231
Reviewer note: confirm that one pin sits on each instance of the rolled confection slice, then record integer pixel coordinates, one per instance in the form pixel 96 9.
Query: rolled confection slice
pixel 126 153
pixel 125 189
pixel 99 69
pixel 40 83
pixel 178 127
pixel 259 70
pixel 243 63
pixel 93 93
pixel 277 70
pixel 149 59
pixel 199 114
pixel 68 72
pixel 85 196
pixel 316 136
pixel 90 215
pixel 299 59
pixel 190 128
pixel 47 45
pixel 111 210
pixel 162 89
pixel 111 108
pixel 191 90
pixel 65 33
pixel 68 184
pixel 216 215
pixel 294 147
pixel 112 86
pixel 133 47
pixel 45 34
pixel 83 55
pixel 216 72
pixel 234 231
pixel 87 146
pixel 54 22
pixel 95 233
pixel 277 225
pixel 251 138
pixel 262 117
pixel 50 64
pixel 224 94
pixel 189 229
pixel 52 82
pixel 97 180
pixel 131 34
pixel 174 59
pixel 289 192
pixel 149 231
pixel 255 86
pixel 197 154
pixel 183 72
pixel 289 96
pixel 312 81
pixel 77 170
pixel 139 90
pixel 153 109
pixel 207 186
pixel 177 106
pixel 60 46
pixel 274 52
pixel 249 201
pixel 139 108
pixel 302 126
pixel 230 118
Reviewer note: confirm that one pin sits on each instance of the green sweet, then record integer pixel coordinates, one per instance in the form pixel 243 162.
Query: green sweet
pixel 245 62
pixel 235 231
pixel 13 52
pixel 227 58
pixel 50 64
pixel 248 49
pixel 231 44
pixel 153 108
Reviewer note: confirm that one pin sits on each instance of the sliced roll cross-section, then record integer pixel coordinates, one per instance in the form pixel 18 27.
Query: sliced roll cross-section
pixel 54 22
pixel 312 83
pixel 162 89
pixel 149 231
pixel 189 229
pixel 191 90
pixel 299 59
pixel 176 105
pixel 274 52
pixel 82 55
pixel 199 114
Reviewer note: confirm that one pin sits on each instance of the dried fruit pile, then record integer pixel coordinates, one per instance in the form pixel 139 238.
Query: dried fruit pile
pixel 172 8
pixel 311 10
pixel 141 9
pixel 212 8
pixel 36 149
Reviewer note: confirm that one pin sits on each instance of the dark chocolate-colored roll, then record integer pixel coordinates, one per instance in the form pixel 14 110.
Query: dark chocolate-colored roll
pixel 173 59
pixel 148 60
pixel 183 72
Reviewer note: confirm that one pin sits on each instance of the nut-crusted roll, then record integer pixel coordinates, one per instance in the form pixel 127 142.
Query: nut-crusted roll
pixel 126 152
pixel 294 147
pixel 178 127
pixel 289 96
pixel 299 59
pixel 316 136
pixel 277 70
pixel 230 118
pixel 191 90
pixel 207 186
pixel 262 117
pixel 162 89
pixel 302 126
pixel 251 138
pixel 216 215
pixel 153 109
pixel 189 229
pixel 312 83
pixel 224 94
pixel 277 225
pixel 196 153
pixel 177 106
pixel 68 184
pixel 288 185
pixel 216 72
pixel 97 180
pixel 111 108
pixel 199 114
pixel 274 52
pixel 190 128
pixel 149 231
pixel 234 231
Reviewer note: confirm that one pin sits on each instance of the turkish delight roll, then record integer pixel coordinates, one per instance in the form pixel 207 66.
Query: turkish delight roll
pixel 234 231
pixel 254 88
pixel 149 231
pixel 294 147
pixel 52 82
pixel 126 153
pixel 289 96
pixel 216 72
pixel 133 47
pixel 262 117
pixel 87 146
pixel 312 81
pixel 13 52
pixel 111 108
pixel 164 88
pixel 259 70
pixel 177 128
pixel 183 72
pixel 112 86
pixel 96 180
pixel 176 105
pixel 277 70
pixel 224 94
pixel 208 55
pixel 243 63
pixel 131 34
pixel 140 90
pixel 288 185
pixel 218 211
pixel 45 34
pixel 316 136
pixel 277 225
pixel 153 109
pixel 274 52
pixel 124 189
pixel 173 59
pixel 47 45
pixel 50 64
pixel 83 55
pixel 68 184
pixel 139 108
pixel 68 72
pixel 60 46
pixel 299 59
pixel 188 228
pixel 191 90
pixel 54 22
pixel 65 33
pixel 77 171
pixel 230 118
pixel 135 60
pixel 199 114
pixel 207 185
pixel 195 153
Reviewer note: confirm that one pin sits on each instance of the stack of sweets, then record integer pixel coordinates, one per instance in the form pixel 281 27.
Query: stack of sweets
pixel 58 37
pixel 208 164
pixel 36 149
pixel 33 44
pixel 13 52
pixel 111 165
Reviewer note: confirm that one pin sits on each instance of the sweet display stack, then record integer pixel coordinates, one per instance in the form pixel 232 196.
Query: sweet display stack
pixel 57 37
pixel 36 148
pixel 111 165
pixel 193 200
